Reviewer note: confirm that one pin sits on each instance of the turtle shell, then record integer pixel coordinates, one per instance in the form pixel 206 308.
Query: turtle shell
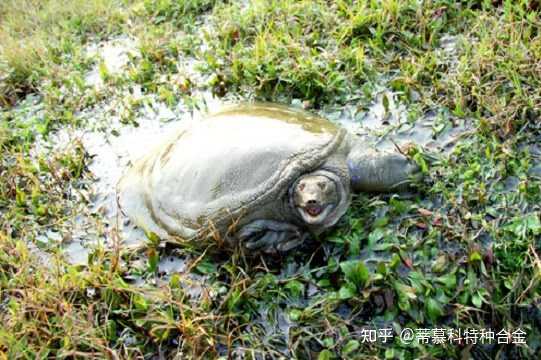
pixel 225 166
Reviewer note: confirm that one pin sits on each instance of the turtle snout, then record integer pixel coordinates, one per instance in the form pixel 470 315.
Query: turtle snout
pixel 313 207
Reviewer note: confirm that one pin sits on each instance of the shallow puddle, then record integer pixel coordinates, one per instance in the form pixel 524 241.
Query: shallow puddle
pixel 112 57
pixel 385 125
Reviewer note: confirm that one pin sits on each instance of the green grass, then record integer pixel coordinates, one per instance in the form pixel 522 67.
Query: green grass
pixel 462 252
pixel 37 37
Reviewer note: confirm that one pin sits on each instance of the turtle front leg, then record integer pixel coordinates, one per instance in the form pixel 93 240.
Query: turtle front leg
pixel 271 236
pixel 380 171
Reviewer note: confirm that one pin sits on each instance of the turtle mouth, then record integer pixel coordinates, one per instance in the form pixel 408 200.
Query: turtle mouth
pixel 314 213
pixel 313 210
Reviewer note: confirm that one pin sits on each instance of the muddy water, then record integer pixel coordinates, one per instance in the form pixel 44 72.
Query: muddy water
pixel 112 57
pixel 386 124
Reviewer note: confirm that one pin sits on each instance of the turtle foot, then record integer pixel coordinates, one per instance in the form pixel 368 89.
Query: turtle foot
pixel 271 237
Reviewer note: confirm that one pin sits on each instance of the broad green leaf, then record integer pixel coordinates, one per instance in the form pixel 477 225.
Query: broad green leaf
pixel 477 300
pixel 350 347
pixel 405 290
pixel 325 355
pixel 347 291
pixel 433 309
pixel 295 314
pixel 153 238
pixel 375 236
pixel 295 288
pixel 355 272
pixel 475 256
pixel 328 342
pixel 449 280
pixel 439 264
pixel 174 283
pixel 206 267
pixel 140 302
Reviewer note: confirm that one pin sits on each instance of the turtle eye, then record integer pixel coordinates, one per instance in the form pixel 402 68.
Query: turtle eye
pixel 301 186
pixel 322 185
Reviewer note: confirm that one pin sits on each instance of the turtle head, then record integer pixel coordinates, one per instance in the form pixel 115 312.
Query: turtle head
pixel 314 197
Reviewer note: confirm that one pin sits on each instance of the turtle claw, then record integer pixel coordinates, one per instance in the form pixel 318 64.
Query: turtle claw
pixel 270 236
pixel 286 246
pixel 262 240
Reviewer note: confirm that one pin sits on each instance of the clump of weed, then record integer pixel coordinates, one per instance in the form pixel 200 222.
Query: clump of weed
pixel 178 13
pixel 37 37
